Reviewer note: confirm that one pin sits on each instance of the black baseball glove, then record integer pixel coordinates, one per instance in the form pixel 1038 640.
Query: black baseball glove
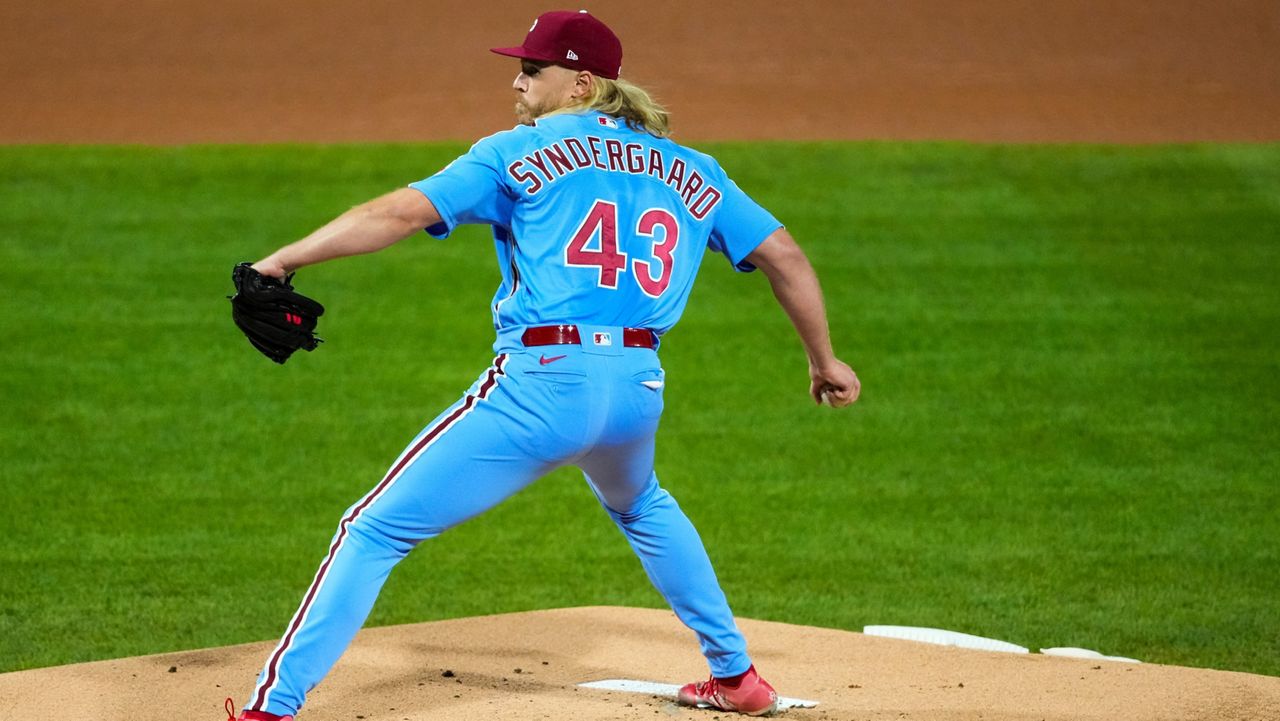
pixel 275 318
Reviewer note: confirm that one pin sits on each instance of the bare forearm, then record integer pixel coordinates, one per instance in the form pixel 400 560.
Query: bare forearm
pixel 798 292
pixel 365 228
pixel 356 231
pixel 796 287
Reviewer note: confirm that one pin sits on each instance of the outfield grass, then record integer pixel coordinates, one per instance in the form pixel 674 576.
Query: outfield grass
pixel 1067 435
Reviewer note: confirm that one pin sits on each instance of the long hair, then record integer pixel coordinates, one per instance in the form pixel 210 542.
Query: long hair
pixel 630 102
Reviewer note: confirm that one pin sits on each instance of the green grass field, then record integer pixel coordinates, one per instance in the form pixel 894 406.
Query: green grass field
pixel 1067 435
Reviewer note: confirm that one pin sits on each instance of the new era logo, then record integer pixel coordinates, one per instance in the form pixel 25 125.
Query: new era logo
pixel 572 55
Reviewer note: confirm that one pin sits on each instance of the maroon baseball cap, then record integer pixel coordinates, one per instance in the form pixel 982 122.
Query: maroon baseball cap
pixel 575 40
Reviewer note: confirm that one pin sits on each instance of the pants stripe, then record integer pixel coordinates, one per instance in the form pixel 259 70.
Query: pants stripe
pixel 271 677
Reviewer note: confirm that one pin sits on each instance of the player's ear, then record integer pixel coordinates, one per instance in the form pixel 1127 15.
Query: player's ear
pixel 582 85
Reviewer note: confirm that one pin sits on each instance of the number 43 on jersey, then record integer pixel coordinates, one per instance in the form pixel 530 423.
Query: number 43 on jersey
pixel 652 275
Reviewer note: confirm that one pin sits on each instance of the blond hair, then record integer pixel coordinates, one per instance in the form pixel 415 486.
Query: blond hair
pixel 629 102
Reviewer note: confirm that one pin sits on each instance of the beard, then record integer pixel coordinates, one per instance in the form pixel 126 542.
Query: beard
pixel 526 113
pixel 524 116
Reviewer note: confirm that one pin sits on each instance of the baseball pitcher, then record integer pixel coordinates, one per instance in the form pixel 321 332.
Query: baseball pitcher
pixel 600 223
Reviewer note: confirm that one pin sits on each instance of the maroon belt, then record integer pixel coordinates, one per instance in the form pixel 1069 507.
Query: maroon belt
pixel 568 335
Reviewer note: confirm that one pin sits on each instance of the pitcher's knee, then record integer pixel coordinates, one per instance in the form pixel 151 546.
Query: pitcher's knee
pixel 655 500
pixel 369 532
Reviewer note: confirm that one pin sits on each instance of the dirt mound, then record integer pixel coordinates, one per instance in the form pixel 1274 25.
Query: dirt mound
pixel 528 666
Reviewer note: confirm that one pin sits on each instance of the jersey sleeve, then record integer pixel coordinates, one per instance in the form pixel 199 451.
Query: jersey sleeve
pixel 739 226
pixel 469 190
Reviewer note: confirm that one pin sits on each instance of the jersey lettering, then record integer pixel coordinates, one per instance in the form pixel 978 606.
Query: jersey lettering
pixel 613 149
pixel 635 158
pixel 705 202
pixel 594 143
pixel 655 164
pixel 559 160
pixel 691 187
pixel 536 161
pixel 602 221
pixel 579 152
pixel 525 176
pixel 662 251
pixel 675 177
pixel 545 165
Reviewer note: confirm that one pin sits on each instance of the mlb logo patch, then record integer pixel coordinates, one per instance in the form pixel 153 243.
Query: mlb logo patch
pixel 607 122
pixel 602 339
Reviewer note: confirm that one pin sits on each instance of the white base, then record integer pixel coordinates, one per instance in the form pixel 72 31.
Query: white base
pixel 671 690
pixel 944 638
pixel 1071 652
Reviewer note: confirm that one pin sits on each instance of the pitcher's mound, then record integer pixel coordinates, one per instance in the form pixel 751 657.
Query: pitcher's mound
pixel 529 665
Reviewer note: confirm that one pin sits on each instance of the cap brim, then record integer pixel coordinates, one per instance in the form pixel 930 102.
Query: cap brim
pixel 522 53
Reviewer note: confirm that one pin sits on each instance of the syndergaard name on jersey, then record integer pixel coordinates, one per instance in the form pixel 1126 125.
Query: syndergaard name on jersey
pixel 536 170
pixel 595 223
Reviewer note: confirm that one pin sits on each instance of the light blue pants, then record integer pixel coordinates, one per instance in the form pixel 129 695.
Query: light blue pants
pixel 535 409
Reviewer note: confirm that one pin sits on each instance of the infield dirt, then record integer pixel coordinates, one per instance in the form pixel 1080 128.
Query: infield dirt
pixel 163 72
pixel 529 665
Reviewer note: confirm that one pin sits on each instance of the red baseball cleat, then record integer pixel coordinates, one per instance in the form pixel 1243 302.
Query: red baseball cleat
pixel 251 715
pixel 752 696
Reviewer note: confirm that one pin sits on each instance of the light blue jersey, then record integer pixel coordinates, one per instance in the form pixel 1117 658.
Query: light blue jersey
pixel 597 226
pixel 595 223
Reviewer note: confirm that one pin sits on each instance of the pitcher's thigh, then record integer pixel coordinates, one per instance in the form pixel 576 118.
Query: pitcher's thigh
pixel 621 475
pixel 461 466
